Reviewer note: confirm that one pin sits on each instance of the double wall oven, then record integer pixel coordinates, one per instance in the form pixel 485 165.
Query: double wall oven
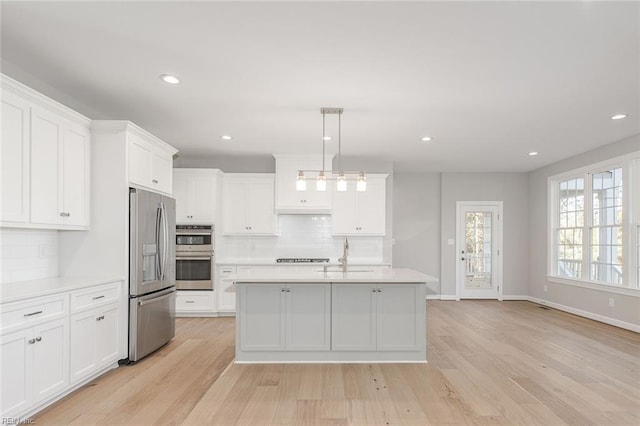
pixel 194 257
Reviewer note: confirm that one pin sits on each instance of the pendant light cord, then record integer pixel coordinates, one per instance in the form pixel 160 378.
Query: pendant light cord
pixel 323 141
pixel 340 141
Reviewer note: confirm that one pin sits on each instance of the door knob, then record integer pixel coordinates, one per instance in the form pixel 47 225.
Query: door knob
pixel 462 258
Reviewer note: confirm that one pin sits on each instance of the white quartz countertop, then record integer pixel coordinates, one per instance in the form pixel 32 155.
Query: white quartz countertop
pixel 355 275
pixel 272 262
pixel 16 291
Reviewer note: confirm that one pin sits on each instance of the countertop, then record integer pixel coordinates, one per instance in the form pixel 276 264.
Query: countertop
pixel 16 291
pixel 272 262
pixel 356 275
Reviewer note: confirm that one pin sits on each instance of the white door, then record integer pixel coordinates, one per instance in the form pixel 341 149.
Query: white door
pixel 75 175
pixel 479 241
pixel 371 208
pixel 16 363
pixel 235 207
pixel 261 217
pixel 107 325
pixel 83 337
pixel 182 197
pixel 50 359
pixel 202 198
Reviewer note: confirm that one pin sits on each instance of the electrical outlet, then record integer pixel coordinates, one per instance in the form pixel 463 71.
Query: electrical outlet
pixel 545 288
pixel 612 302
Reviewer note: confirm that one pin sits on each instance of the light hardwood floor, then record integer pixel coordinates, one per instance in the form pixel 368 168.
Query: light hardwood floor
pixel 489 363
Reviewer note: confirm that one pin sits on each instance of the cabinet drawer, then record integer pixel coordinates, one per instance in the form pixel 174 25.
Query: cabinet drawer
pixel 95 296
pixel 192 301
pixel 226 270
pixel 16 315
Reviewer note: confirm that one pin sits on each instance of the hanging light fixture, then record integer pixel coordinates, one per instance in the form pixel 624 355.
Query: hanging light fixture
pixel 341 177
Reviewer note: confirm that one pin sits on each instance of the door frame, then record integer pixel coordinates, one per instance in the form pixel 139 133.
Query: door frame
pixel 498 240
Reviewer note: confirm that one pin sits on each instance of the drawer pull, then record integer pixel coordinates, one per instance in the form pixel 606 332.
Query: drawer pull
pixel 189 301
pixel 155 180
pixel 98 297
pixel 31 341
pixel 100 318
pixel 39 339
pixel 33 313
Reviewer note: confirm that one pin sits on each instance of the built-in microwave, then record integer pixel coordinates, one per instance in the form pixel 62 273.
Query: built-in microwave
pixel 194 257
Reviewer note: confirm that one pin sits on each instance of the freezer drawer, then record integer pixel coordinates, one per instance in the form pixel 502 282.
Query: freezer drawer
pixel 152 322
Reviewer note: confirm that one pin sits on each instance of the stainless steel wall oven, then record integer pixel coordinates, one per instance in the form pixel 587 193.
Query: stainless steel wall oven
pixel 194 257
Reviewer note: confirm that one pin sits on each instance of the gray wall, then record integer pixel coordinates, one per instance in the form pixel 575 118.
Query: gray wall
pixel 511 189
pixel 416 224
pixel 627 308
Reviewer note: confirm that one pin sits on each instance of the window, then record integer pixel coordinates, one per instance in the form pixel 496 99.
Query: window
pixel 595 224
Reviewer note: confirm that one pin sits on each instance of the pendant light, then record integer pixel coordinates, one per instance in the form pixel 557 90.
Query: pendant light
pixel 341 177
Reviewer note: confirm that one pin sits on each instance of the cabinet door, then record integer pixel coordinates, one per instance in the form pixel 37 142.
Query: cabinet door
pixel 50 359
pixel 14 159
pixel 46 159
pixel 226 296
pixel 308 317
pixel 181 194
pixel 261 217
pixel 83 343
pixel 371 208
pixel 353 318
pixel 140 161
pixel 312 197
pixel 344 215
pixel 15 372
pixel 236 205
pixel 399 307
pixel 162 172
pixel 262 325
pixel 75 175
pixel 107 326
pixel 286 175
pixel 202 199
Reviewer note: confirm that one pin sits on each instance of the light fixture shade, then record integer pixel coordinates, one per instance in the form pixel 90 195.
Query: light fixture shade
pixel 321 182
pixel 341 184
pixel 301 183
pixel 361 184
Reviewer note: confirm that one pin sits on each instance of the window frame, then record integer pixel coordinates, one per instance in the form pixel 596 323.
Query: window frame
pixel 630 165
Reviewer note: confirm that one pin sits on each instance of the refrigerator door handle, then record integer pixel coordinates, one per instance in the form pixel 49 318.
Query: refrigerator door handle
pixel 158 258
pixel 165 241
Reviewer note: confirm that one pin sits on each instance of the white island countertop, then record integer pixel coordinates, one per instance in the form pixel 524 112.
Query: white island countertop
pixel 16 291
pixel 353 275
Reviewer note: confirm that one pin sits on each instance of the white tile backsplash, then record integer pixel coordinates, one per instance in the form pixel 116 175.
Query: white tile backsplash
pixel 299 236
pixel 28 254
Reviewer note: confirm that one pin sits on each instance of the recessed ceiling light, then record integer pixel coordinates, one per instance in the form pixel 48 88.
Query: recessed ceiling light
pixel 533 153
pixel 225 137
pixel 619 116
pixel 169 78
pixel 426 139
pixel 327 138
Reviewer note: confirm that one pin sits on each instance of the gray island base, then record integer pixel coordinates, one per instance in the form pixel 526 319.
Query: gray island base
pixel 320 317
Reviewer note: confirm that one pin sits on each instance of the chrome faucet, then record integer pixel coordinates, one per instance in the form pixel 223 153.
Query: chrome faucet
pixel 345 254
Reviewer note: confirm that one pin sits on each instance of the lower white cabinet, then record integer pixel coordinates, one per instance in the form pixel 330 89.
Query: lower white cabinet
pixel 94 340
pixel 34 365
pixel 294 317
pixel 380 317
pixel 189 302
pixel 226 300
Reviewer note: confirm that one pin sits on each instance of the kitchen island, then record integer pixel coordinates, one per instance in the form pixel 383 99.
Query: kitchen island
pixel 361 315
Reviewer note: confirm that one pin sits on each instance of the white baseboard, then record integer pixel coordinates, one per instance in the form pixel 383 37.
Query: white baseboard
pixel 196 314
pixel 433 297
pixel 448 297
pixel 586 314
pixel 515 297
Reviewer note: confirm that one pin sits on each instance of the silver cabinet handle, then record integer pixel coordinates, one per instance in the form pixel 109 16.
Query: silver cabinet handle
pixel 193 258
pixel 189 301
pixel 31 341
pixel 283 290
pixel 100 318
pixel 98 297
pixel 65 214
pixel 32 314
pixel 39 339
pixel 155 181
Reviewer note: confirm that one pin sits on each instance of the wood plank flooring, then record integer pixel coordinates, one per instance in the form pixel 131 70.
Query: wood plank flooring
pixel 490 362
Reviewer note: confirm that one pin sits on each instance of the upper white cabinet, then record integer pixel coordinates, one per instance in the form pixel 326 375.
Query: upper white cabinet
pixel 360 213
pixel 45 161
pixel 195 194
pixel 150 162
pixel 248 204
pixel 288 198
pixel 14 156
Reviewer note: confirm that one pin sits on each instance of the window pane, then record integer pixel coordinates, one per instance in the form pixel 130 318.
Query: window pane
pixel 570 220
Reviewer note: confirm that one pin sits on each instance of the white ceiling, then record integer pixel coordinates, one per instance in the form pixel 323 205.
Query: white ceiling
pixel 488 81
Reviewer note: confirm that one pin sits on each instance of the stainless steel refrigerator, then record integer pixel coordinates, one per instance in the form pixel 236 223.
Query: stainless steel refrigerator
pixel 152 238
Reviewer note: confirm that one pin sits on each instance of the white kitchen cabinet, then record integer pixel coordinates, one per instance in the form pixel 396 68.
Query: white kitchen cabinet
pixel 94 340
pixel 45 161
pixel 360 213
pixel 195 302
pixel 226 296
pixel 380 317
pixel 288 198
pixel 14 158
pixel 195 194
pixel 150 161
pixel 248 204
pixel 34 365
pixel 292 317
